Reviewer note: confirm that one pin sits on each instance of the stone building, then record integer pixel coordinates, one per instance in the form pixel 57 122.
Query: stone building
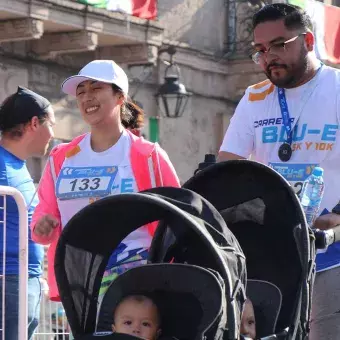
pixel 43 42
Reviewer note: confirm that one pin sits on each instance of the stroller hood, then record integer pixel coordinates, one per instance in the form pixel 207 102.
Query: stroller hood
pixel 178 244
pixel 179 291
pixel 91 236
pixel 263 212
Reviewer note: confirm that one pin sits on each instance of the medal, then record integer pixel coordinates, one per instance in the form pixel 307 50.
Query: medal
pixel 285 152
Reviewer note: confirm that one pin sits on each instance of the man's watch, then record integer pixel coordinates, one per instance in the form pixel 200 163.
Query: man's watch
pixel 336 209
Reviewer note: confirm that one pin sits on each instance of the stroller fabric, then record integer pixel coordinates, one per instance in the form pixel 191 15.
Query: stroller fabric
pixel 262 211
pixel 267 301
pixel 91 236
pixel 180 292
pixel 180 245
pixel 107 336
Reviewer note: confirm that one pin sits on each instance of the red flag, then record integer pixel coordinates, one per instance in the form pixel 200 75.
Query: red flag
pixel 326 22
pixel 146 9
pixel 332 33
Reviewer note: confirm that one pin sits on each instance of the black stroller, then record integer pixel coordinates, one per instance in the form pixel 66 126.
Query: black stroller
pixel 261 210
pixel 199 281
pixel 265 215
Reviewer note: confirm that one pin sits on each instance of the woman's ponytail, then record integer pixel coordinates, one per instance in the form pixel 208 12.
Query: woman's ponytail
pixel 133 117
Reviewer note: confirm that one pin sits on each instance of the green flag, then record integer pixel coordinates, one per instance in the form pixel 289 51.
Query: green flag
pixel 95 3
pixel 300 3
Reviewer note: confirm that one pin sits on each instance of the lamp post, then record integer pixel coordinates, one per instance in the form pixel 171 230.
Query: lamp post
pixel 172 97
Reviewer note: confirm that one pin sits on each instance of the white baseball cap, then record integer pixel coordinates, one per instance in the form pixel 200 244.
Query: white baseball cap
pixel 106 71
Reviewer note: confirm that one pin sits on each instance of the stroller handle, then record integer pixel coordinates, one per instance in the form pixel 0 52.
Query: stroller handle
pixel 209 159
pixel 324 238
pixel 282 335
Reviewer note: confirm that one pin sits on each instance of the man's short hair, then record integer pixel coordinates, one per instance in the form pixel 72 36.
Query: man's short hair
pixel 294 17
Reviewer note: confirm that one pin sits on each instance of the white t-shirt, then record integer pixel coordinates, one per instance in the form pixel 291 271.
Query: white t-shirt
pixel 87 176
pixel 256 130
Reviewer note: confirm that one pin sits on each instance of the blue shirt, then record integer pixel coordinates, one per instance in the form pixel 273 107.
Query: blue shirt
pixel 14 173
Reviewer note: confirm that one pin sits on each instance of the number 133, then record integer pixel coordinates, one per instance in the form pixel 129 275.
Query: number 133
pixel 85 184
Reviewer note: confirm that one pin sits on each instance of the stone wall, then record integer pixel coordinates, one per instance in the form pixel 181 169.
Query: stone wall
pixel 199 23
pixel 46 79
pixel 198 29
pixel 217 88
pixel 200 26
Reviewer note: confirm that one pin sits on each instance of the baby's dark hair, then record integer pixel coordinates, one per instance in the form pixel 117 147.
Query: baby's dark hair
pixel 294 17
pixel 141 298
pixel 131 114
pixel 11 123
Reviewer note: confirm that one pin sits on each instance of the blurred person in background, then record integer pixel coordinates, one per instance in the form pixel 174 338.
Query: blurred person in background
pixel 26 121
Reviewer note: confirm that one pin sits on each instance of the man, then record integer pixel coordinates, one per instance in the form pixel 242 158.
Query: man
pixel 291 122
pixel 26 121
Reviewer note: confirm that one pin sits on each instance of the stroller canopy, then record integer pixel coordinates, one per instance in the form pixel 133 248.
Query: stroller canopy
pixel 180 292
pixel 266 299
pixel 178 244
pixel 91 236
pixel 263 212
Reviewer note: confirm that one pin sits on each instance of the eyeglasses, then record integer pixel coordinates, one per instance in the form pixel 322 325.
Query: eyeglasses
pixel 276 49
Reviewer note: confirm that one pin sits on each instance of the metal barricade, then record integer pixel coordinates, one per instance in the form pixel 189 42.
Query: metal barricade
pixel 53 323
pixel 5 192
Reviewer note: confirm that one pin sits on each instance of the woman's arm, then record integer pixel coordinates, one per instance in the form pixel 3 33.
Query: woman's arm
pixel 46 224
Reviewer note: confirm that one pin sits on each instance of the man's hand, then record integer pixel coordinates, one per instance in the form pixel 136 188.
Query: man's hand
pixel 327 221
pixel 45 226
pixel 227 156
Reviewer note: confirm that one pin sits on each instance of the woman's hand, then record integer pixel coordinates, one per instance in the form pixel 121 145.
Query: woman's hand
pixel 327 221
pixel 45 225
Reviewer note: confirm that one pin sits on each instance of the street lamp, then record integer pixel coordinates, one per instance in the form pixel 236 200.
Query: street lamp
pixel 172 97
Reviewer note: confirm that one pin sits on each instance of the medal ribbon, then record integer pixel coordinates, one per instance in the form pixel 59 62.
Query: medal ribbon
pixel 285 115
pixel 284 107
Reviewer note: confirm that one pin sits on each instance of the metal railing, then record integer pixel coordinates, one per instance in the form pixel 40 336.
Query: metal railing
pixel 53 324
pixel 23 259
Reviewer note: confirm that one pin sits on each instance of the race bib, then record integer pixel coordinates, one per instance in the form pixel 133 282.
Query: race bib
pixel 80 182
pixel 295 174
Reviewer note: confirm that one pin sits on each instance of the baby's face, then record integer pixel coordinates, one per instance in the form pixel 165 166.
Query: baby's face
pixel 137 318
pixel 248 326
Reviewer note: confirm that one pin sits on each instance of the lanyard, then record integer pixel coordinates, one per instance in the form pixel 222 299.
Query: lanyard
pixel 285 115
pixel 284 108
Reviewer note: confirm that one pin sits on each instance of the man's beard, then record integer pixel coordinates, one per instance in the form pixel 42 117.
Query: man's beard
pixel 295 73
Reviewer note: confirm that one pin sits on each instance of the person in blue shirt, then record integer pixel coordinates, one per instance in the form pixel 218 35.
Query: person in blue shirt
pixel 26 121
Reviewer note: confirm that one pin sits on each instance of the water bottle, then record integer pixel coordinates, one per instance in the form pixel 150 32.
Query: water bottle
pixel 311 194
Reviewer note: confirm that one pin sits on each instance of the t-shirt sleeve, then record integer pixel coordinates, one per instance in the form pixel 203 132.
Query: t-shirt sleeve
pixel 239 137
pixel 3 174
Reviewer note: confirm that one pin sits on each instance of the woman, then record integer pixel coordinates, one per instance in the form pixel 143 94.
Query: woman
pixel 26 121
pixel 109 160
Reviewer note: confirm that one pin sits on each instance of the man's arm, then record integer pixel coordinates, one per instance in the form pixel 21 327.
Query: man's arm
pixel 238 141
pixel 227 156
pixel 331 220
pixel 326 222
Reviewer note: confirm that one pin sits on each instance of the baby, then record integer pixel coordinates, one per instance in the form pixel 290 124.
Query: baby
pixel 139 316
pixel 248 326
